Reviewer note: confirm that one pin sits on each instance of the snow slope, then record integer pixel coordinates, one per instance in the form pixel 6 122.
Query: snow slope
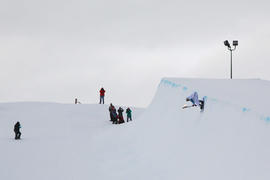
pixel 230 140
pixel 56 140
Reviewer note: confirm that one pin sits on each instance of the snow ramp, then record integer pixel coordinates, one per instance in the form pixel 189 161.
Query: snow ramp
pixel 229 140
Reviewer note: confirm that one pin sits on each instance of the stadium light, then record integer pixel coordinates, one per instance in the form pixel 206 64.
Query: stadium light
pixel 235 43
pixel 226 43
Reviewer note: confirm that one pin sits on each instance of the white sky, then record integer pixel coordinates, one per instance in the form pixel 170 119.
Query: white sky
pixel 56 50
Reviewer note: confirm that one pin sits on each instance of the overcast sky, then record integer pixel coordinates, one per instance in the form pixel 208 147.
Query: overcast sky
pixel 56 50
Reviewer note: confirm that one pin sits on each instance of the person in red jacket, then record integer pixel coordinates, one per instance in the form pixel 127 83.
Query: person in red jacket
pixel 102 94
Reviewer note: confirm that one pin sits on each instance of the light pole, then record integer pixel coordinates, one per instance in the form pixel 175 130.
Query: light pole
pixel 235 43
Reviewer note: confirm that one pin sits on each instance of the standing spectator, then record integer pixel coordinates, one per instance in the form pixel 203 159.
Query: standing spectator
pixel 102 94
pixel 113 114
pixel 120 115
pixel 128 111
pixel 76 101
pixel 111 111
pixel 17 127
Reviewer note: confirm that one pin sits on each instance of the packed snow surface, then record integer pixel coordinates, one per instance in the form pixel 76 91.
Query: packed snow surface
pixel 229 140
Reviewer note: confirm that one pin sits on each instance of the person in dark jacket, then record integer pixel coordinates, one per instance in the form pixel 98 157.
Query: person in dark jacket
pixel 120 115
pixel 128 112
pixel 111 111
pixel 17 127
pixel 76 101
pixel 102 95
pixel 113 114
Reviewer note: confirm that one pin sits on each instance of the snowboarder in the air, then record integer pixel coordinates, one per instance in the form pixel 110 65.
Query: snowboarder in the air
pixel 17 127
pixel 120 115
pixel 128 112
pixel 195 100
pixel 102 94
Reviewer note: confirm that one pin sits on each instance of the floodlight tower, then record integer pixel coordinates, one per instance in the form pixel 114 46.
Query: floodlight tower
pixel 235 43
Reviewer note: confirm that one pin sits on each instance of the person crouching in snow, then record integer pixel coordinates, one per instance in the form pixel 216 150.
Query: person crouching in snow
pixel 120 115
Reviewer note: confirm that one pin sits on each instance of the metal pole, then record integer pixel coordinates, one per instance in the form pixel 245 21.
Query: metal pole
pixel 231 64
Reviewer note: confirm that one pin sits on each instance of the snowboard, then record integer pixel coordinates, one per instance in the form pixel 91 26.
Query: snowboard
pixel 187 106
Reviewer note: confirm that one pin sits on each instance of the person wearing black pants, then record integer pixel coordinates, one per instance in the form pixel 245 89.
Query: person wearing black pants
pixel 17 127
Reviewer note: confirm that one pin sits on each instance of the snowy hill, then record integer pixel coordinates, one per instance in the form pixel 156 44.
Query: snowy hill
pixel 57 139
pixel 230 140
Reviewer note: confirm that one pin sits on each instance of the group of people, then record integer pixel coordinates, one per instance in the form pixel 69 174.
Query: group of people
pixel 116 118
pixel 119 118
pixel 115 115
